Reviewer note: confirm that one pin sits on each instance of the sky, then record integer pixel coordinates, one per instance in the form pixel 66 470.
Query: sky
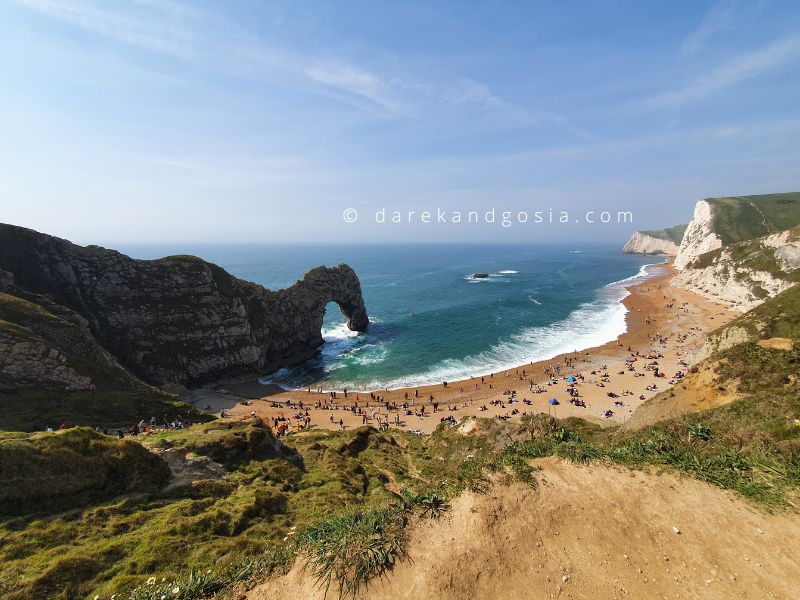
pixel 255 121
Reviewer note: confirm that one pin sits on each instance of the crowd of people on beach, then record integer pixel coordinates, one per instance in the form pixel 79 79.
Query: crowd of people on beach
pixel 507 394
pixel 514 392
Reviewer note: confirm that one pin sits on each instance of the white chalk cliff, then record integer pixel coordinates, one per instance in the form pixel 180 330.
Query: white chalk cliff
pixel 741 275
pixel 700 236
pixel 729 281
pixel 642 243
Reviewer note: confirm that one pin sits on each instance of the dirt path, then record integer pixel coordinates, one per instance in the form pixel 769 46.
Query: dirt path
pixel 590 532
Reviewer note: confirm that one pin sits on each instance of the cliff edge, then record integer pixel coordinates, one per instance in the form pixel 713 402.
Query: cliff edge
pixel 741 250
pixel 178 319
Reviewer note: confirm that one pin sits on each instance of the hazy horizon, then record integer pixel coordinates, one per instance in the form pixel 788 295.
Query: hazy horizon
pixel 160 121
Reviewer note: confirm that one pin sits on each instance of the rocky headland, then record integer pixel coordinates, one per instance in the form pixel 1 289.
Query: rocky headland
pixel 661 241
pixel 741 250
pixel 78 319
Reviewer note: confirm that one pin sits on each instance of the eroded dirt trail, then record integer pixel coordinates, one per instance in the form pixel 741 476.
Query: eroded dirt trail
pixel 590 532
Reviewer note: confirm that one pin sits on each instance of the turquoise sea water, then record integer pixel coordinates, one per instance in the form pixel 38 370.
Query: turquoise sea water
pixel 430 321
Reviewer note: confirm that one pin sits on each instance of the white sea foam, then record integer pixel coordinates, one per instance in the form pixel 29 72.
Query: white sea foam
pixel 508 272
pixel 590 325
pixel 642 274
pixel 274 379
pixel 371 354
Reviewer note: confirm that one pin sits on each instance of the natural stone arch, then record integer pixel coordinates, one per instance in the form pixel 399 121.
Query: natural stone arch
pixel 324 285
pixel 177 319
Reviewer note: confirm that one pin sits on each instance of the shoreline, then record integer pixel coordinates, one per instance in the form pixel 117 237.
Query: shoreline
pixel 629 282
pixel 661 322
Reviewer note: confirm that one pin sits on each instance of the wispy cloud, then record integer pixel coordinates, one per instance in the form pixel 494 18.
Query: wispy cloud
pixel 778 54
pixel 468 92
pixel 720 17
pixel 125 27
pixel 191 34
pixel 355 80
pixel 172 28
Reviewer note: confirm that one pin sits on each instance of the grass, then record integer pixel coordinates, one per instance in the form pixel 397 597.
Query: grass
pixel 204 584
pixel 741 218
pixel 342 500
pixel 118 399
pixel 36 409
pixel 349 550
pixel 317 484
pixel 71 468
pixel 671 234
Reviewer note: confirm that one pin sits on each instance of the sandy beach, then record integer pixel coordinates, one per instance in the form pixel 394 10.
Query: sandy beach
pixel 604 384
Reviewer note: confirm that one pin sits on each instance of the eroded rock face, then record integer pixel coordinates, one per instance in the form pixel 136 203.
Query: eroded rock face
pixel 744 274
pixel 179 319
pixel 29 362
pixel 729 281
pixel 700 236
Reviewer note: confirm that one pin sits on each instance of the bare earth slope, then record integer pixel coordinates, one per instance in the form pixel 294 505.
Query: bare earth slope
pixel 589 532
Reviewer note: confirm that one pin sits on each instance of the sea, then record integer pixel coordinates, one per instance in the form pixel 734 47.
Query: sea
pixel 431 320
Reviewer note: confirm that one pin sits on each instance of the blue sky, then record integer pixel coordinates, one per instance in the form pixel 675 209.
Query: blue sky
pixel 249 121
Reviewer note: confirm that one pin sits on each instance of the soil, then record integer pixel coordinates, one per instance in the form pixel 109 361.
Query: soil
pixel 598 532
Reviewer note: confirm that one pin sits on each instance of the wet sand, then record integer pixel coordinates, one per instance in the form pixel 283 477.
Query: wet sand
pixel 663 325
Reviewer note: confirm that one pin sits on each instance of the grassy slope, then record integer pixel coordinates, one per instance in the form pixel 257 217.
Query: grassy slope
pixel 741 218
pixel 778 317
pixel 72 467
pixel 672 234
pixel 251 510
pixel 118 400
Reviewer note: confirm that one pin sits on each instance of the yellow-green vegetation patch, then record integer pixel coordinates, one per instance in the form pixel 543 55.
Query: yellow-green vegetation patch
pixel 271 490
pixel 71 468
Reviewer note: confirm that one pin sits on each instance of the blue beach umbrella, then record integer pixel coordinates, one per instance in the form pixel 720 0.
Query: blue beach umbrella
pixel 553 401
pixel 571 379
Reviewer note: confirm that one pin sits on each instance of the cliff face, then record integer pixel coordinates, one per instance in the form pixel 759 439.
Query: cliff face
pixel 731 277
pixel 700 236
pixel 177 319
pixel 642 243
pixel 775 318
pixel 741 250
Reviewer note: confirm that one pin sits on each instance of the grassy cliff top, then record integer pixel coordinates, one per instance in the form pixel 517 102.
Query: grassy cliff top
pixel 70 468
pixel 740 218
pixel 671 234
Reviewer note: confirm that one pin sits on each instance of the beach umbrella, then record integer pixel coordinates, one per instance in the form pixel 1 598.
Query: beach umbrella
pixel 571 379
pixel 553 401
